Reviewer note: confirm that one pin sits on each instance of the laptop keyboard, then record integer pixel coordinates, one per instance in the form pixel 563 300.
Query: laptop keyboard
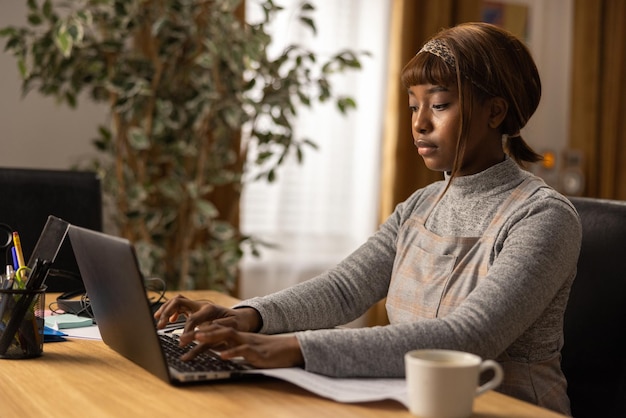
pixel 206 361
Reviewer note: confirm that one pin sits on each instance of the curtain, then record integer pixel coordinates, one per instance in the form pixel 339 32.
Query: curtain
pixel 403 171
pixel 598 107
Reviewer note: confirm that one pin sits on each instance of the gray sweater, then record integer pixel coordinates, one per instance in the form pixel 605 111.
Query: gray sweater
pixel 534 261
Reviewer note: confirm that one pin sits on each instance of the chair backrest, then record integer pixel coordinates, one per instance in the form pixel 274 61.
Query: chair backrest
pixel 594 353
pixel 29 196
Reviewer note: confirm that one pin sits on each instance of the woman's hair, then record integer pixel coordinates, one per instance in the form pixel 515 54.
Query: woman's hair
pixel 483 61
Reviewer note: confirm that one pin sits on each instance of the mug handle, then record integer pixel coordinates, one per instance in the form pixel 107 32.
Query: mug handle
pixel 495 381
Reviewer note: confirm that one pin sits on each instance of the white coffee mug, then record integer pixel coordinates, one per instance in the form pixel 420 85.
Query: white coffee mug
pixel 444 383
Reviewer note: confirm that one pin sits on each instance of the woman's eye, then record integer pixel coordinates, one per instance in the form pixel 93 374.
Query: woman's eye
pixel 440 106
pixel 413 109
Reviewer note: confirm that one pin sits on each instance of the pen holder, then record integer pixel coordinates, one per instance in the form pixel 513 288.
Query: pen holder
pixel 21 323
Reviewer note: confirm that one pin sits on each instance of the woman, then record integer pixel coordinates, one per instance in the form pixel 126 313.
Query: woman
pixel 481 261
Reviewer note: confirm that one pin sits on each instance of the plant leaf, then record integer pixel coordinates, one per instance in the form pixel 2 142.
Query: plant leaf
pixel 63 40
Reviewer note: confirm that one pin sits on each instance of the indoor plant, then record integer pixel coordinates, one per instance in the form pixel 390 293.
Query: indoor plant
pixel 196 109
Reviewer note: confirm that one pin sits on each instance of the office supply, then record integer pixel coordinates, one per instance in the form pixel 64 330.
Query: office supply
pixel 21 309
pixel 18 249
pixel 29 279
pixel 21 276
pixel 8 276
pixel 102 383
pixel 16 264
pixel 6 239
pixel 65 321
pixel 51 335
pixel 121 309
pixel 84 333
pixel 21 323
pixel 6 235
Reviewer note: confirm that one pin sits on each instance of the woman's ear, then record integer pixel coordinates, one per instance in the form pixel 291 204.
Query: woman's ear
pixel 498 110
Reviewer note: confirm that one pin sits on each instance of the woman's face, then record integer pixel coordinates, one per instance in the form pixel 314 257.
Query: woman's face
pixel 435 123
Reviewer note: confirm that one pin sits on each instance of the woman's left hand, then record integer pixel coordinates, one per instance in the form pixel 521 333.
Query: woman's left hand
pixel 258 350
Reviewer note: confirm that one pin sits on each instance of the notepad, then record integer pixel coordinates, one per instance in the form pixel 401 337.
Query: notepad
pixel 65 321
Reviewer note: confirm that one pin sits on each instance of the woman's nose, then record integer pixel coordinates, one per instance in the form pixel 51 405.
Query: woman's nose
pixel 421 121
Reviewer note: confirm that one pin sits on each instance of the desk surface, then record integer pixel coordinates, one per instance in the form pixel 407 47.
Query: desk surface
pixel 79 378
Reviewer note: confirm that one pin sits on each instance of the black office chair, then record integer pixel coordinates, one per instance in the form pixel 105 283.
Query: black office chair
pixel 594 354
pixel 29 196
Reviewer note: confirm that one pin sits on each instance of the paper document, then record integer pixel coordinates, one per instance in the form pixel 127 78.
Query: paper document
pixel 343 390
pixel 86 333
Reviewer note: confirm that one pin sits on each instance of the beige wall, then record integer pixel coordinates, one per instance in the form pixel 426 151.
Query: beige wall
pixel 35 131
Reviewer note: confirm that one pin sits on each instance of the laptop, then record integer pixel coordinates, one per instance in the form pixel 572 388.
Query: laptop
pixel 117 294
pixel 50 240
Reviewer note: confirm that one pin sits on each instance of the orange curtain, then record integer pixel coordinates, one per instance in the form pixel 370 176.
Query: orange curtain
pixel 403 171
pixel 412 22
pixel 598 107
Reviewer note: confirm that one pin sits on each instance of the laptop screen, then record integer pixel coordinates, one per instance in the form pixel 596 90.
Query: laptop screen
pixel 50 240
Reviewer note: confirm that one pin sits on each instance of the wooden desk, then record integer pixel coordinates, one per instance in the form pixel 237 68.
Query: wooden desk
pixel 83 378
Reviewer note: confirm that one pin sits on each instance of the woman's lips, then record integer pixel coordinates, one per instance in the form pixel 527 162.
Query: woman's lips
pixel 425 148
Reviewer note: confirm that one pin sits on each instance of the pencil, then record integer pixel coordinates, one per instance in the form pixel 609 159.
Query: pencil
pixel 18 249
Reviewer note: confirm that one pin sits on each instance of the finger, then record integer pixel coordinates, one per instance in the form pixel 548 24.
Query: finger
pixel 212 337
pixel 266 351
pixel 170 310
pixel 205 315
pixel 242 350
pixel 215 336
pixel 252 354
pixel 229 321
pixel 193 353
pixel 168 304
pixel 189 335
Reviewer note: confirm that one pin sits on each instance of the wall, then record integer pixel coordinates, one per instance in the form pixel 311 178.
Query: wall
pixel 35 131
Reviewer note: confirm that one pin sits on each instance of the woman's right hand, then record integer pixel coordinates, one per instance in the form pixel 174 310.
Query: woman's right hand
pixel 202 312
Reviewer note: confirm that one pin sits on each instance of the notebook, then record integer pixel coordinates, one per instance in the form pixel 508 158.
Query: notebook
pixel 117 295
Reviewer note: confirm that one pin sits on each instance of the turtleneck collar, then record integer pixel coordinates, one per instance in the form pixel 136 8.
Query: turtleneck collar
pixel 496 178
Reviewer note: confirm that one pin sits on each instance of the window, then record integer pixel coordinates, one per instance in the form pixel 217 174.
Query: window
pixel 317 212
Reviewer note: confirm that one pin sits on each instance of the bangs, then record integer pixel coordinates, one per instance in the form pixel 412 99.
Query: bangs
pixel 426 68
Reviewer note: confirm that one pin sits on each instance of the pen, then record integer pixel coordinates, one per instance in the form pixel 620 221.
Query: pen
pixel 18 249
pixel 14 256
pixel 8 280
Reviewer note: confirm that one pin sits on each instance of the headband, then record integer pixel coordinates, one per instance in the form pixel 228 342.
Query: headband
pixel 439 48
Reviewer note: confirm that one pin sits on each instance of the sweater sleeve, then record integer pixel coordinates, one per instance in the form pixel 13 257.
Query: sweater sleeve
pixel 337 296
pixel 345 292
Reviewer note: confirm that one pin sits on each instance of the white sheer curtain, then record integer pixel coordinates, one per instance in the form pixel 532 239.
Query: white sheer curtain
pixel 318 212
